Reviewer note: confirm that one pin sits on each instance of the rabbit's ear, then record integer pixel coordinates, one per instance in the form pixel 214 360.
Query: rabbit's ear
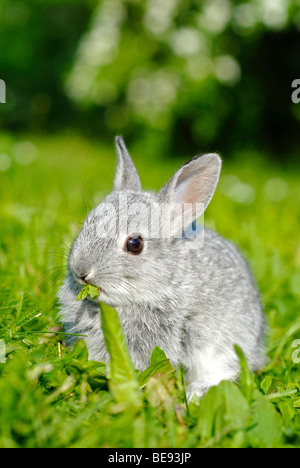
pixel 126 177
pixel 191 188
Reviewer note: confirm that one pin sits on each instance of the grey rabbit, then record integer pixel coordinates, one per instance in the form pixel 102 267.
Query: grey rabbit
pixel 194 297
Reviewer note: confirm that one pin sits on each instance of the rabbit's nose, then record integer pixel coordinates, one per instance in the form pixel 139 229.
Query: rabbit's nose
pixel 82 279
pixel 87 278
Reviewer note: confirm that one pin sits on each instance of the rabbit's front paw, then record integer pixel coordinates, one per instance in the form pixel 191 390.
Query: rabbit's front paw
pixel 198 388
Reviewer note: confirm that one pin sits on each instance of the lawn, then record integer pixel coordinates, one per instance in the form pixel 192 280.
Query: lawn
pixel 53 397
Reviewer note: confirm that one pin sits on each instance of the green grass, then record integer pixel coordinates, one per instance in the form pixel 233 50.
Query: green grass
pixel 53 397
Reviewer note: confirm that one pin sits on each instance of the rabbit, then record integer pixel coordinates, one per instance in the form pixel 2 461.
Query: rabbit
pixel 192 295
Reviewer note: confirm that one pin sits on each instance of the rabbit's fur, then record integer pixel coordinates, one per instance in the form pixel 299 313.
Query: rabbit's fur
pixel 193 299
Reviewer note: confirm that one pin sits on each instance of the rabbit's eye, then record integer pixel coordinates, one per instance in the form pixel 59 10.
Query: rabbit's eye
pixel 134 244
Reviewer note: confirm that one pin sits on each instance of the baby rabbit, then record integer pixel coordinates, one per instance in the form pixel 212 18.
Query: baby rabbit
pixel 188 291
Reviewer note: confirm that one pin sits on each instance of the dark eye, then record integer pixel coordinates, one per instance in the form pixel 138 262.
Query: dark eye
pixel 134 244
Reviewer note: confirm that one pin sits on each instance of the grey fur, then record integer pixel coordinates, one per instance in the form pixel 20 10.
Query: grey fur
pixel 194 303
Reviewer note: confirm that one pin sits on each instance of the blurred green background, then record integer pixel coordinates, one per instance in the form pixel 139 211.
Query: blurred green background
pixel 173 76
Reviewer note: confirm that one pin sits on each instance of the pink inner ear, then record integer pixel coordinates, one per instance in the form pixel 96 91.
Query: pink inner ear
pixel 186 196
pixel 190 190
pixel 186 190
pixel 196 186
